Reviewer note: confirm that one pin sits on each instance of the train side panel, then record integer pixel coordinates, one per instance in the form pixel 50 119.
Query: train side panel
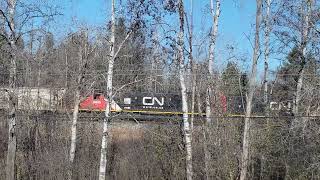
pixel 34 98
pixel 150 103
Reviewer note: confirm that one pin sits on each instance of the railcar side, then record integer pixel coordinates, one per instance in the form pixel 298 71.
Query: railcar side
pixel 33 98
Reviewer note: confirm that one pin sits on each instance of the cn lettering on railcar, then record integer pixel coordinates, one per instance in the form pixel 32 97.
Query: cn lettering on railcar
pixel 158 102
pixel 152 102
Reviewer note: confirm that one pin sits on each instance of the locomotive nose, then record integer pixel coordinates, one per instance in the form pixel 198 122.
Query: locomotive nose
pixel 114 106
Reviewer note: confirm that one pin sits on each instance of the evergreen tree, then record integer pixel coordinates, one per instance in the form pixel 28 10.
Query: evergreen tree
pixel 288 75
pixel 234 85
pixel 233 80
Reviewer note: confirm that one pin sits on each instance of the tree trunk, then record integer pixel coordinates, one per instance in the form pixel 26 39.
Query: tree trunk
pixel 74 131
pixel 266 54
pixel 39 78
pixel 298 92
pixel 213 36
pixel 266 69
pixel 186 126
pixel 104 142
pixel 215 12
pixel 193 99
pixel 66 68
pixel 81 68
pixel 192 64
pixel 12 139
pixel 252 81
pixel 198 96
pixel 28 66
pixel 303 48
pixel 207 155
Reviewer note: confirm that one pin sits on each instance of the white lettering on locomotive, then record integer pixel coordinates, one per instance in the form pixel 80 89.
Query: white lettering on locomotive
pixel 150 101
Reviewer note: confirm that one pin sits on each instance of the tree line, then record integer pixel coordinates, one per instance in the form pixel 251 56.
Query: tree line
pixel 150 46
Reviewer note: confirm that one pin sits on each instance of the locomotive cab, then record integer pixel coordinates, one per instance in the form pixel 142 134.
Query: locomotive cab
pixel 97 102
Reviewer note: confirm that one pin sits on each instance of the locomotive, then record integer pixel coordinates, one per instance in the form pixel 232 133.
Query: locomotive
pixel 97 102
pixel 144 103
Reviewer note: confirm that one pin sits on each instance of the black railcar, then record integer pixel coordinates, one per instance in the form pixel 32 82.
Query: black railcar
pixel 152 103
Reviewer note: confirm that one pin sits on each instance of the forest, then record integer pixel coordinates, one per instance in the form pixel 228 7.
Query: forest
pixel 212 106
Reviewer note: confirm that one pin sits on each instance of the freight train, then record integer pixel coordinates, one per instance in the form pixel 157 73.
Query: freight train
pixel 45 99
pixel 157 103
pixel 166 104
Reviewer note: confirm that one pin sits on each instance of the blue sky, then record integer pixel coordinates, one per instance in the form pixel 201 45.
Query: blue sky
pixel 236 24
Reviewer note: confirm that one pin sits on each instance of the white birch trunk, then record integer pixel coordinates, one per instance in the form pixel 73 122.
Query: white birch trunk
pixel 193 99
pixel 12 139
pixel 39 78
pixel 298 93
pixel 266 53
pixel 186 126
pixel 105 135
pixel 265 75
pixel 198 96
pixel 82 65
pixel 208 106
pixel 104 142
pixel 303 47
pixel 207 156
pixel 74 126
pixel 193 78
pixel 215 12
pixel 252 81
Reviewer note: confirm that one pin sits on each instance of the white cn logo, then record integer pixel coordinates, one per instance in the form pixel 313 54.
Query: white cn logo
pixel 150 101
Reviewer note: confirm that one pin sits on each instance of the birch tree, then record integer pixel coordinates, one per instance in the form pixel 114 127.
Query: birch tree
pixel 306 10
pixel 252 81
pixel 83 60
pixel 12 141
pixel 266 68
pixel 103 156
pixel 215 13
pixel 192 64
pixel 186 125
pixel 266 52
pixel 13 30
pixel 112 56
